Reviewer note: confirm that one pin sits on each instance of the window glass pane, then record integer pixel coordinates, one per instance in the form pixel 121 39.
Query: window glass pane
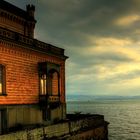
pixel 43 84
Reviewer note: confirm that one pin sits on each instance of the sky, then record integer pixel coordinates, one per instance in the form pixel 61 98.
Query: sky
pixel 101 38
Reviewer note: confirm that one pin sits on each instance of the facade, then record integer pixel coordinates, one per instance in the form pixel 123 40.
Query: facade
pixel 32 73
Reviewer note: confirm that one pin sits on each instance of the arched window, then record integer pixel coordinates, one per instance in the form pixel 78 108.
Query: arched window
pixel 53 86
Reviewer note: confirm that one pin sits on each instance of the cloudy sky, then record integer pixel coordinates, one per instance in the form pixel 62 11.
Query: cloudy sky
pixel 101 38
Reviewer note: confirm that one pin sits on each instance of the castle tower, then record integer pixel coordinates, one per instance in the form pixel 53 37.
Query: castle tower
pixel 30 10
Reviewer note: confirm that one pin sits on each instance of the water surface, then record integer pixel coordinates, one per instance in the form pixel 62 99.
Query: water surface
pixel 123 116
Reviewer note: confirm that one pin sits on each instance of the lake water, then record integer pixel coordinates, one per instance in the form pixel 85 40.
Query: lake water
pixel 123 116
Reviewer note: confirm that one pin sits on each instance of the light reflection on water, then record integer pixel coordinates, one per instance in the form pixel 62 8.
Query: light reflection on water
pixel 123 116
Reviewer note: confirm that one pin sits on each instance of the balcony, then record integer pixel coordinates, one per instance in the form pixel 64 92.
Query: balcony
pixel 52 101
pixel 49 98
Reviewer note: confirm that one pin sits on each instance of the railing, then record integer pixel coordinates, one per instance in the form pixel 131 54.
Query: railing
pixel 53 99
pixel 49 101
pixel 49 98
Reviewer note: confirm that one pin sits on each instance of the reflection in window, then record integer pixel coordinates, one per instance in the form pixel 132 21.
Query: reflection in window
pixel 43 84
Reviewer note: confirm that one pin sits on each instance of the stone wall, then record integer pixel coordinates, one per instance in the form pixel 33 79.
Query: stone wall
pixel 96 133
pixel 84 128
pixel 38 133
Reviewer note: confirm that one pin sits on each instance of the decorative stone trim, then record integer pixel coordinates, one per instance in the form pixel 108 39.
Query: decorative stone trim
pixel 29 43
pixel 11 17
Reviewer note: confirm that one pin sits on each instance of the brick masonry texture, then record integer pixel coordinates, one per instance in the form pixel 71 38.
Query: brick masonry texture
pixel 22 80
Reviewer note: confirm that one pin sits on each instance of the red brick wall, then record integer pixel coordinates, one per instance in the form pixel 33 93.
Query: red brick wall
pixel 22 82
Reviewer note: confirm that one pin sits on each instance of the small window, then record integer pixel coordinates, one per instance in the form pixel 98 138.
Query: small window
pixel 43 84
pixel 2 80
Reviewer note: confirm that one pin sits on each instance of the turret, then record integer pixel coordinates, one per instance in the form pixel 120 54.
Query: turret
pixel 30 25
pixel 30 10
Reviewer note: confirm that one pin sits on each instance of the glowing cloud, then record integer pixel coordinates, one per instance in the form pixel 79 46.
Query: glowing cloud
pixel 127 20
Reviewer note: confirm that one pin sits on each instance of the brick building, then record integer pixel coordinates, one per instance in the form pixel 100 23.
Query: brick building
pixel 32 73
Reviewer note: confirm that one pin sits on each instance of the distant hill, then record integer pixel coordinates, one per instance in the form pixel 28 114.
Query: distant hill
pixel 98 98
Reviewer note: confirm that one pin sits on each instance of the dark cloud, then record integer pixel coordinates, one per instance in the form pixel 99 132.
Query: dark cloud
pixel 93 17
pixel 66 21
pixel 89 60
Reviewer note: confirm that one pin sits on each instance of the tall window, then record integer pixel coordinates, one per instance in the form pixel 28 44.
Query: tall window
pixel 43 84
pixel 2 79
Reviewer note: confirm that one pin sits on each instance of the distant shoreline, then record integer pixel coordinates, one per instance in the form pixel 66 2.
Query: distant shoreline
pixel 102 98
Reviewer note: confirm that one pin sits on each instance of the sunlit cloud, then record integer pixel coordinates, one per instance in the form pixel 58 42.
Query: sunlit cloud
pixel 125 84
pixel 110 41
pixel 127 20
pixel 118 70
pixel 121 47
